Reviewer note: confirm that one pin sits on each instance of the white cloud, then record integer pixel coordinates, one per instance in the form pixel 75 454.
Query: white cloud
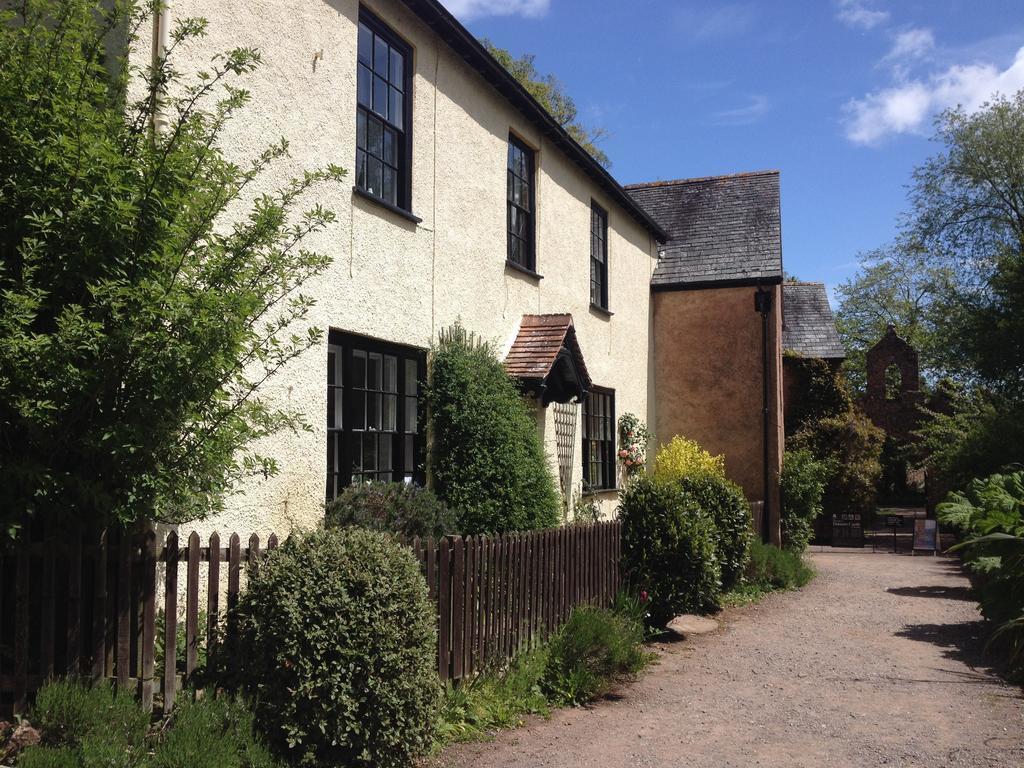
pixel 756 108
pixel 907 106
pixel 912 44
pixel 715 23
pixel 475 9
pixel 860 14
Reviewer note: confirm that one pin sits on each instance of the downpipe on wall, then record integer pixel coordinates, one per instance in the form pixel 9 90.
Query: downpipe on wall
pixel 763 306
pixel 161 42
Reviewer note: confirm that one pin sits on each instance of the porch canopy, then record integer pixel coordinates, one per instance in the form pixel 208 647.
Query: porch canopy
pixel 547 360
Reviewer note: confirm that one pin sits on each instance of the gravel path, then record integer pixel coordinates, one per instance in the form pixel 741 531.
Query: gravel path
pixel 876 662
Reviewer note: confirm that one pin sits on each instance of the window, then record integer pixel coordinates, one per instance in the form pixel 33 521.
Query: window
pixel 383 113
pixel 373 412
pixel 520 204
pixel 599 440
pixel 598 256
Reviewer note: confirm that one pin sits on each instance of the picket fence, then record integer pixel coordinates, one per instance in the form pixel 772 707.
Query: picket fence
pixel 75 605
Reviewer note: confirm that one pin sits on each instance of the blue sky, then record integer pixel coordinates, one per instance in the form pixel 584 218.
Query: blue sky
pixel 837 94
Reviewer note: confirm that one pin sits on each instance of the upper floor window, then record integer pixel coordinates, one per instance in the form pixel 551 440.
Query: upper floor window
pixel 520 205
pixel 383 113
pixel 599 440
pixel 598 256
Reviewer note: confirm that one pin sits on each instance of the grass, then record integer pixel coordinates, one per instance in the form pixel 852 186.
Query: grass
pixel 595 649
pixel 770 570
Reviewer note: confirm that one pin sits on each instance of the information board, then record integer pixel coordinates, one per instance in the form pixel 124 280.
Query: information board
pixel 847 529
pixel 926 536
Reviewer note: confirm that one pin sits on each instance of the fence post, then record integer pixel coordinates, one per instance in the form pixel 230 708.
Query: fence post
pixel 192 605
pixel 171 555
pixel 444 612
pixel 213 593
pixel 99 618
pixel 148 616
pixel 74 633
pixel 124 608
pixel 21 601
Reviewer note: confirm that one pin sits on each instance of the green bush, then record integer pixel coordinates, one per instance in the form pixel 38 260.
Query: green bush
pixel 338 650
pixel 681 458
pixel 211 733
pixel 669 549
pixel 83 726
pixel 729 510
pixel 851 446
pixel 989 513
pixel 803 486
pixel 773 568
pixel 399 508
pixel 94 727
pixel 488 463
pixel 592 651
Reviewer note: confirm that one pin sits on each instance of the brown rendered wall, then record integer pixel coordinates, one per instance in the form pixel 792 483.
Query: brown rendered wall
pixel 708 380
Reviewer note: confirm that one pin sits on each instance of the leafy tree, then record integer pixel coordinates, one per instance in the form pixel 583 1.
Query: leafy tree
pixel 898 285
pixel 968 216
pixel 547 90
pixel 141 309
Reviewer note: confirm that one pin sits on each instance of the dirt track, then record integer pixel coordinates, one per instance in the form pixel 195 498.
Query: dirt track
pixel 877 662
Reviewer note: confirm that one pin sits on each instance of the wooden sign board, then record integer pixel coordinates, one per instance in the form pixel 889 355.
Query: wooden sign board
pixel 926 536
pixel 847 530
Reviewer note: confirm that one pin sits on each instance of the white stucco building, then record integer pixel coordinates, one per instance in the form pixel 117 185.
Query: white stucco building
pixel 466 202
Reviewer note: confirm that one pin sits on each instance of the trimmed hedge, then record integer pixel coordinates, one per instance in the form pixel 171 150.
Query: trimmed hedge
pixel 338 648
pixel 669 549
pixel 488 461
pixel 399 508
pixel 724 502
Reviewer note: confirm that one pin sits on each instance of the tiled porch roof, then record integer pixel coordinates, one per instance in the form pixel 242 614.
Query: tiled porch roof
pixel 540 340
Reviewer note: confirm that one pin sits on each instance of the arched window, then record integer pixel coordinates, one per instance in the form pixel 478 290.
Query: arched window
pixel 893 382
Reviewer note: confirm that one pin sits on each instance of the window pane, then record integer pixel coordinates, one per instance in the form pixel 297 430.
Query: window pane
pixel 365 43
pixel 372 412
pixel 358 403
pixel 381 56
pixel 358 368
pixel 361 129
pixel 355 453
pixel 384 452
pixel 369 452
pixel 410 415
pixel 374 171
pixel 395 114
pixel 390 373
pixel 410 377
pixel 390 417
pixel 410 457
pixel 380 96
pixel 389 146
pixel 374 137
pixel 389 188
pixel 515 249
pixel 373 371
pixel 364 86
pixel 360 169
pixel 334 408
pixel 397 69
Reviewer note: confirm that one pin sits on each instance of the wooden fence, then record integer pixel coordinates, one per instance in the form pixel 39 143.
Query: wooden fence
pixel 91 606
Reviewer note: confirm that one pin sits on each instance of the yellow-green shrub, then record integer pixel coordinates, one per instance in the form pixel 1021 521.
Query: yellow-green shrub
pixel 685 458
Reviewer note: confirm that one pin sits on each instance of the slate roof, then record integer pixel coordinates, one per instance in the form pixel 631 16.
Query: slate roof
pixel 540 339
pixel 722 229
pixel 808 326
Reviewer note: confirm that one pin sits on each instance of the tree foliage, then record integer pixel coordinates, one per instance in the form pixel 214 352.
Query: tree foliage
pixel 897 285
pixel 551 95
pixel 142 309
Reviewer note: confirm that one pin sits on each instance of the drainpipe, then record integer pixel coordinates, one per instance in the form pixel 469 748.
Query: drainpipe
pixel 763 306
pixel 161 42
